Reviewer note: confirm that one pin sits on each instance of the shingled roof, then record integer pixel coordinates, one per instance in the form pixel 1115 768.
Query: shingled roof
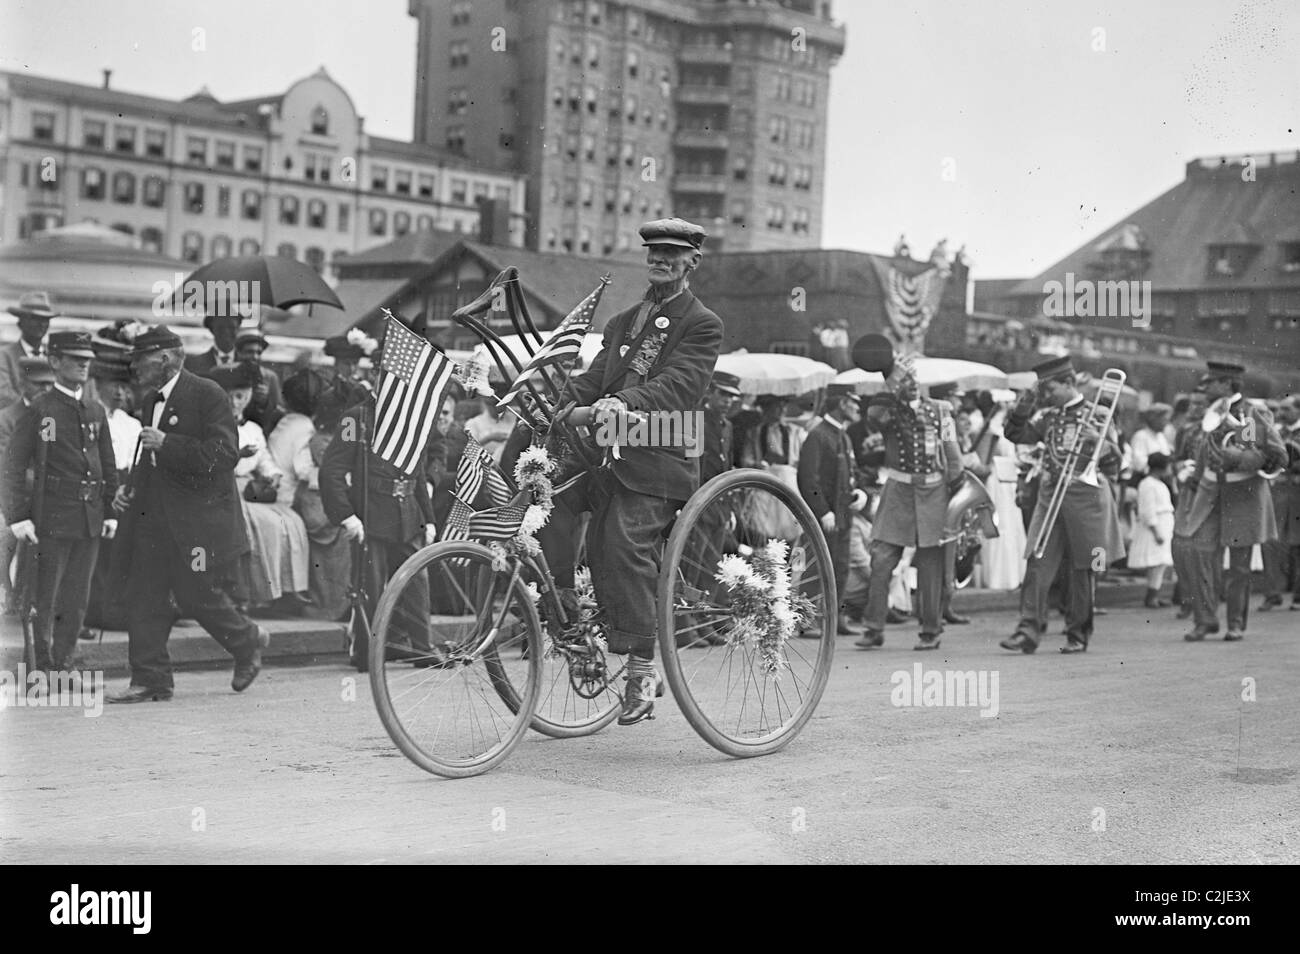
pixel 1215 204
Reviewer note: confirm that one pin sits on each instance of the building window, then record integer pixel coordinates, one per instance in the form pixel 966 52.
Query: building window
pixel 799 222
pixel 315 257
pixel 551 239
pixel 225 154
pixel 223 201
pixel 250 246
pixel 629 154
pixel 803 135
pixel 378 222
pixel 425 186
pixel 252 158
pixel 459 192
pixel 611 198
pixel 402 182
pixel 593 54
pixel 663 119
pixel 502 194
pixel 288 210
pixel 43 126
pixel 155 143
pixel 92 183
pixel 151 240
pixel 560 52
pixel 1289 258
pixel 221 246
pixel 740 169
pixel 776 170
pixel 345 216
pixel 506 141
pixel 803 177
pixel 123 188
pixel 460 12
pixel 286 250
pixel 738 213
pixel 783 86
pixel 424 223
pixel 316 213
pixel 250 205
pixel 633 64
pixel 92 133
pixel 196 151
pixel 401 223
pixel 594 12
pixel 379 178
pixel 455 138
pixel 194 197
pixel 776 217
pixel 459 53
pixel 192 247
pixel 458 101
pixel 557 96
pixel 778 130
pixel 320 121
pixel 124 139
pixel 588 193
pixel 571 146
pixel 153 192
pixel 584 241
pixel 629 107
pixel 625 200
pixel 309 166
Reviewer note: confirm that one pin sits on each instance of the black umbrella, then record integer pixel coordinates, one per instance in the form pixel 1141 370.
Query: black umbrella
pixel 259 279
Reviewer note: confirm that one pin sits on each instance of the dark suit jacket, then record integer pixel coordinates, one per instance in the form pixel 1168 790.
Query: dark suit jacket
pixel 11 373
pixel 190 480
pixel 397 520
pixel 73 436
pixel 826 473
pixel 676 381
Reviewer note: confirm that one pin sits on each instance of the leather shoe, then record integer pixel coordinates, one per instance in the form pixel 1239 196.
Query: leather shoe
pixel 638 700
pixel 1184 611
pixel 1074 646
pixel 1199 633
pixel 894 617
pixel 1019 642
pixel 1233 636
pixel 246 671
pixel 845 628
pixel 871 639
pixel 1270 603
pixel 953 619
pixel 927 641
pixel 139 694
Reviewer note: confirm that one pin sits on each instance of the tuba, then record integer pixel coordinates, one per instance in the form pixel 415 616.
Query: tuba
pixel 1218 414
pixel 970 520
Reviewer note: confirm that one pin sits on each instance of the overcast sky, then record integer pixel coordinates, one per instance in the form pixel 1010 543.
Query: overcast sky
pixel 1047 138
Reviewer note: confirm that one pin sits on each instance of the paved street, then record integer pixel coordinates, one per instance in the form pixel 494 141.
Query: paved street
pixel 1140 751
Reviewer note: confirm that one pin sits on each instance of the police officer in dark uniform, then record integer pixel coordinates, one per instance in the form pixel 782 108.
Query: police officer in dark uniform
pixel 65 439
pixel 719 400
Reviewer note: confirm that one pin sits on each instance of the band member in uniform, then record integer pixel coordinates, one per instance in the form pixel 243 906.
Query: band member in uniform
pixel 183 530
pixel 1086 531
pixel 65 439
pixel 826 481
pixel 1282 556
pixel 1186 451
pixel 918 457
pixel 35 378
pixel 1232 506
pixel 656 356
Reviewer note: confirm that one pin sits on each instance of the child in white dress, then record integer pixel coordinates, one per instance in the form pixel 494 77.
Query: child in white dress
pixel 1153 528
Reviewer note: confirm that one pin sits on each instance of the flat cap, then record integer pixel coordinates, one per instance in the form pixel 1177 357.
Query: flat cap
pixel 726 383
pixel 71 344
pixel 673 231
pixel 1223 369
pixel 36 370
pixel 1053 368
pixel 838 390
pixel 160 338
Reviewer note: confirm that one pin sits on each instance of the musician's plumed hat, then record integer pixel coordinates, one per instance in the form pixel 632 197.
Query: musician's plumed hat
pixel 1055 368
pixel 673 231
pixel 874 353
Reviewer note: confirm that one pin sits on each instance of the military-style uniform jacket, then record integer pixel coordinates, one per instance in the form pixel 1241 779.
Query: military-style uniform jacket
pixel 666 367
pixel 1088 514
pixel 921 450
pixel 826 473
pixel 718 446
pixel 79 477
pixel 1238 495
pixel 397 504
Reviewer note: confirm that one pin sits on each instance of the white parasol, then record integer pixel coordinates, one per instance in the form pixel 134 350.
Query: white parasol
pixel 967 375
pixel 779 374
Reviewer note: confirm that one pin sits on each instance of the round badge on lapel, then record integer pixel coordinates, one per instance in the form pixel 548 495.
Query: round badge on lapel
pixel 171 421
pixel 661 322
pixel 622 350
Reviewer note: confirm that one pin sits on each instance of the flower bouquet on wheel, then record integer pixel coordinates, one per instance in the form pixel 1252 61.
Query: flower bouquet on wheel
pixel 766 608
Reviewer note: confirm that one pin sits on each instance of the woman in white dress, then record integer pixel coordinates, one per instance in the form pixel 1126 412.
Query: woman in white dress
pixel 1153 528
pixel 1003 557
pixel 277 563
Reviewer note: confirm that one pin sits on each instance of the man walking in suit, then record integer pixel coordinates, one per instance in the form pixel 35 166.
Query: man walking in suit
pixel 65 439
pixel 182 523
pixel 656 356
pixel 826 481
pixel 33 312
pixel 1232 507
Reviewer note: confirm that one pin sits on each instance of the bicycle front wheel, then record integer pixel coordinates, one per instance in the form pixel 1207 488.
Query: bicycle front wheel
pixel 743 692
pixel 455 659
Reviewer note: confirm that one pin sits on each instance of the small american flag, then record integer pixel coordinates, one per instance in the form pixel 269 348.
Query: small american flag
pixel 476 466
pixel 500 523
pixel 415 376
pixel 566 342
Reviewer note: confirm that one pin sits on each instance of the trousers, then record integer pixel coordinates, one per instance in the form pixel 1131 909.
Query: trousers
pixel 63 569
pixel 1207 567
pixel 929 563
pixel 410 620
pixel 1039 574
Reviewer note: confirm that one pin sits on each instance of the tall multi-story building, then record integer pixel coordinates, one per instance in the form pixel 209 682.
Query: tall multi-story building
pixel 293 174
pixel 623 110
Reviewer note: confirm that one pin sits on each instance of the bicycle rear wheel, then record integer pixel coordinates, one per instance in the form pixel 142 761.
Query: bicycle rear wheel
pixel 744 696
pixel 440 679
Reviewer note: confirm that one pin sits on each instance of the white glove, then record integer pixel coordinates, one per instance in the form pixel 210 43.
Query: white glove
pixel 353 530
pixel 828 521
pixel 24 530
pixel 859 500
pixel 110 529
pixel 430 534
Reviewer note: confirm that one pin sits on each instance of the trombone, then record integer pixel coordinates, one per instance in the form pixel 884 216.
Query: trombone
pixel 1100 414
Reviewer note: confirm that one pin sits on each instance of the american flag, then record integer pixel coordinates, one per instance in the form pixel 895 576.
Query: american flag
pixel 500 523
pixel 566 342
pixel 474 467
pixel 415 375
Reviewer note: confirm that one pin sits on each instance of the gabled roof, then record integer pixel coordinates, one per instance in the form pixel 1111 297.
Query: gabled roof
pixel 421 246
pixel 1213 205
